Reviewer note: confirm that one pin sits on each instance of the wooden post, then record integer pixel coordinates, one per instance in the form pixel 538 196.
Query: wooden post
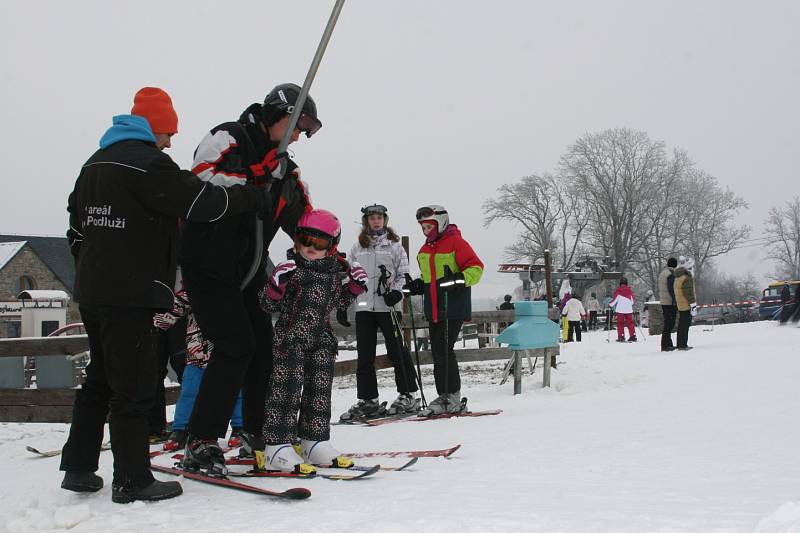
pixel 546 371
pixel 548 359
pixel 517 372
pixel 548 282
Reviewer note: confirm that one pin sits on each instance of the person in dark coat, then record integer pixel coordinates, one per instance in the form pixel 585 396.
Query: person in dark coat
pixel 123 217
pixel 666 295
pixel 216 257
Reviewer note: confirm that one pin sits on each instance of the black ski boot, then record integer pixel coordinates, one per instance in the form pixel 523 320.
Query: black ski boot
pixel 204 455
pixel 250 445
pixel 82 482
pixel 157 490
pixel 364 409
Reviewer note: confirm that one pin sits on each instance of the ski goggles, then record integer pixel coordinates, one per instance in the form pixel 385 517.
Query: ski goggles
pixel 424 213
pixel 308 125
pixel 376 209
pixel 314 241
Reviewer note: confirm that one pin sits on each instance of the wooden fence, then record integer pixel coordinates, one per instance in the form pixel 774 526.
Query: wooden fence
pixel 55 405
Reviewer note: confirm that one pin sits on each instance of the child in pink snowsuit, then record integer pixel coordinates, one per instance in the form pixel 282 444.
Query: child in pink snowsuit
pixel 623 306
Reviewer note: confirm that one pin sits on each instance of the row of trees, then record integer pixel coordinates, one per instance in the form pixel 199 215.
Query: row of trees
pixel 620 194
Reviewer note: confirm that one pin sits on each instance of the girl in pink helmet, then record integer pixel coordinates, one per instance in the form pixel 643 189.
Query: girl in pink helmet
pixel 305 289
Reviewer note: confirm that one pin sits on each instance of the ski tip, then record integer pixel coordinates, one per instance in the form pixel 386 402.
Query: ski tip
pixel 297 493
pixel 452 450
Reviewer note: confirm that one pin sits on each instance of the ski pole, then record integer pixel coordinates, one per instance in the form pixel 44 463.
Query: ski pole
pixel 294 116
pixel 416 343
pixel 401 361
pixel 447 273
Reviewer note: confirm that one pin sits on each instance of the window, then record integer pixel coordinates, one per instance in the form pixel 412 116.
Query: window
pixel 25 283
pixel 48 327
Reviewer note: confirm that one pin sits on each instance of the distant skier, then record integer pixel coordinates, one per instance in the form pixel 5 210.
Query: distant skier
pixel 666 294
pixel 305 290
pixel 379 252
pixel 574 312
pixel 506 305
pixel 447 298
pixel 592 307
pixel 786 303
pixel 623 303
pixel 685 301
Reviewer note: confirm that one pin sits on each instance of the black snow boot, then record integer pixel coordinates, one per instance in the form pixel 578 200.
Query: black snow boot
pixel 204 455
pixel 82 482
pixel 157 490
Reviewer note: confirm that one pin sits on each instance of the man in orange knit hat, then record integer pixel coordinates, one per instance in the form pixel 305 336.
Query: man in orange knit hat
pixel 123 216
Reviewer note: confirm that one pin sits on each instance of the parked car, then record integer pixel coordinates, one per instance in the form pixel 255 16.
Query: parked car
pixel 718 314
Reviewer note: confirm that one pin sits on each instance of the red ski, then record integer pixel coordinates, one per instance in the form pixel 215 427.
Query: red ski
pixel 380 422
pixel 297 493
pixel 447 452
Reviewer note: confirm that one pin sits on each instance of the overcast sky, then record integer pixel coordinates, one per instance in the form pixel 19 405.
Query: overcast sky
pixel 422 101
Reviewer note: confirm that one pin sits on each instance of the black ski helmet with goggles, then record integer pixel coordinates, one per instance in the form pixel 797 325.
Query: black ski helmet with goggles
pixel 374 209
pixel 281 99
pixel 434 213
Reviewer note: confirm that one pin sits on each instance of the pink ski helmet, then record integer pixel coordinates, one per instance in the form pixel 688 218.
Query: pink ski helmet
pixel 321 224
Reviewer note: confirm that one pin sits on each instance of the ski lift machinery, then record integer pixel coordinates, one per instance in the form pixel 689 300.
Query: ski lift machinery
pixel 586 274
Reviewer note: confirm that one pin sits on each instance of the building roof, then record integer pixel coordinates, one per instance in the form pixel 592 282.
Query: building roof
pixel 8 250
pixel 53 251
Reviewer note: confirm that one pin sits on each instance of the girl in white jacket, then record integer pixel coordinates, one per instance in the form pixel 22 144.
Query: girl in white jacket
pixel 378 250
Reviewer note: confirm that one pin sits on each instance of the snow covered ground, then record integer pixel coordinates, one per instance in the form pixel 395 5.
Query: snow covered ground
pixel 627 439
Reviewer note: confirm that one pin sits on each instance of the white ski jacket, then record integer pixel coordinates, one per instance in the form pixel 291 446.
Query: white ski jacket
pixel 384 252
pixel 573 310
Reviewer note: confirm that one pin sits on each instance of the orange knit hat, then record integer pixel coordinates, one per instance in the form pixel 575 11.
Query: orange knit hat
pixel 155 105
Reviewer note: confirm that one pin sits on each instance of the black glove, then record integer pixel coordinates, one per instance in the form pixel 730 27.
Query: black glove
pixel 452 282
pixel 392 297
pixel 341 318
pixel 413 287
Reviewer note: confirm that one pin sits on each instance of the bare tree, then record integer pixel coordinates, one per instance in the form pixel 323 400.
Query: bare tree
pixel 625 177
pixel 551 217
pixel 708 221
pixel 783 225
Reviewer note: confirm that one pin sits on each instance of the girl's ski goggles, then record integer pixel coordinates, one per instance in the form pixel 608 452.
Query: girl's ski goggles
pixel 314 241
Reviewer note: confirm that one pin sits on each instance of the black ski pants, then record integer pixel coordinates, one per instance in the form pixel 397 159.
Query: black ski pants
pixel 120 385
pixel 574 327
pixel 684 321
pixel 592 320
pixel 367 325
pixel 448 380
pixel 669 312
pixel 241 333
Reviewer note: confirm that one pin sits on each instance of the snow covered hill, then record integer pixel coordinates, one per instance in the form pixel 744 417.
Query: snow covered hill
pixel 627 439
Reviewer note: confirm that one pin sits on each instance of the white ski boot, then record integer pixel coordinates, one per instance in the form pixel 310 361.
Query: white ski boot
pixel 446 403
pixel 322 453
pixel 283 457
pixel 405 403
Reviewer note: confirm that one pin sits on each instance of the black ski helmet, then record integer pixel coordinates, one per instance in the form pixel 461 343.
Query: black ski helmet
pixel 281 100
pixel 374 209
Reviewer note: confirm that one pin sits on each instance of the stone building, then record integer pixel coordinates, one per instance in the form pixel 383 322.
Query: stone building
pixel 33 263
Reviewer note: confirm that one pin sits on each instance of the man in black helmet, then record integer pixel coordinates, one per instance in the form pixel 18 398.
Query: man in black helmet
pixel 216 256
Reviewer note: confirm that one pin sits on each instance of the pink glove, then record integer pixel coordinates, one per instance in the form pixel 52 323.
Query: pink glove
pixel 164 320
pixel 276 286
pixel 356 280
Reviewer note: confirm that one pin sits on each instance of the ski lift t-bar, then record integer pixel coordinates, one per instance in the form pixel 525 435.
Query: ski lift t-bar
pixel 294 116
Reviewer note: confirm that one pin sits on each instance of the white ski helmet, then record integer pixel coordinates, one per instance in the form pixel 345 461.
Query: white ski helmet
pixel 434 213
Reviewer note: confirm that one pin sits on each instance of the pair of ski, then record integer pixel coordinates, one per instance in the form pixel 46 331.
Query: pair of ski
pixel 296 493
